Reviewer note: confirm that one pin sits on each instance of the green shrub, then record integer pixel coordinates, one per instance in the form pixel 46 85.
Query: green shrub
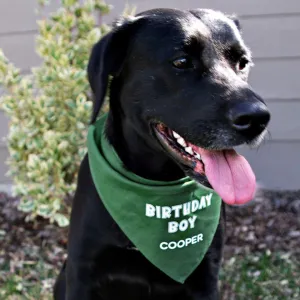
pixel 49 109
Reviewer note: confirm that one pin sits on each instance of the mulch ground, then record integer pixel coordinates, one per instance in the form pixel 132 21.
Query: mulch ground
pixel 269 223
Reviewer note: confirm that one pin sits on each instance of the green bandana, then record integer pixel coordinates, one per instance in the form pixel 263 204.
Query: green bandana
pixel 171 223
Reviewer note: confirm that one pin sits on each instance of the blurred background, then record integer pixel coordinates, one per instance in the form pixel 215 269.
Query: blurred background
pixel 262 254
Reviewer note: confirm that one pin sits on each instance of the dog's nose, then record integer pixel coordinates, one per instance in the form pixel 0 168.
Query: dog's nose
pixel 249 117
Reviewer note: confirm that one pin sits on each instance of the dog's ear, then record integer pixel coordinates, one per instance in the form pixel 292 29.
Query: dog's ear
pixel 236 21
pixel 107 58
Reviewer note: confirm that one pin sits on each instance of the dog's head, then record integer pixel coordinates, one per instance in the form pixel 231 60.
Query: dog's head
pixel 181 83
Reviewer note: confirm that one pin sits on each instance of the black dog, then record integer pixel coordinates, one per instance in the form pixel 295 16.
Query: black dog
pixel 174 73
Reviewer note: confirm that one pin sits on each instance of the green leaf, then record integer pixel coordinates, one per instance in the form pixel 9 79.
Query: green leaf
pixel 44 210
pixel 44 2
pixel 69 3
pixel 61 220
pixel 27 206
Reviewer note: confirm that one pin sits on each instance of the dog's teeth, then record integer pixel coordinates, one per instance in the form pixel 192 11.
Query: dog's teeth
pixel 189 150
pixel 176 135
pixel 181 142
pixel 197 155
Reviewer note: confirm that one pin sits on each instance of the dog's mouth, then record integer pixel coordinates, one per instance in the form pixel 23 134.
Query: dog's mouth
pixel 227 172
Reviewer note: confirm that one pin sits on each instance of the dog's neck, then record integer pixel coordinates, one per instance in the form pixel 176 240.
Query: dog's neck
pixel 137 156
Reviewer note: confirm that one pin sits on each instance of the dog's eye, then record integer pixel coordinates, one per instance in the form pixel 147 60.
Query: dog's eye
pixel 243 63
pixel 183 63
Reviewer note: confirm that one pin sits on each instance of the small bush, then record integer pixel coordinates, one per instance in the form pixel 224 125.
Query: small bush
pixel 49 109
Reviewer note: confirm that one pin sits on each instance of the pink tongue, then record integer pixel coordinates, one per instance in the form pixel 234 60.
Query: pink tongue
pixel 229 174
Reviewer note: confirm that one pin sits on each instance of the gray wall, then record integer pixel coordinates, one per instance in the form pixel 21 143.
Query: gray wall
pixel 270 27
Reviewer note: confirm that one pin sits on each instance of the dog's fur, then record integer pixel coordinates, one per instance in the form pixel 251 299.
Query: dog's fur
pixel 201 101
